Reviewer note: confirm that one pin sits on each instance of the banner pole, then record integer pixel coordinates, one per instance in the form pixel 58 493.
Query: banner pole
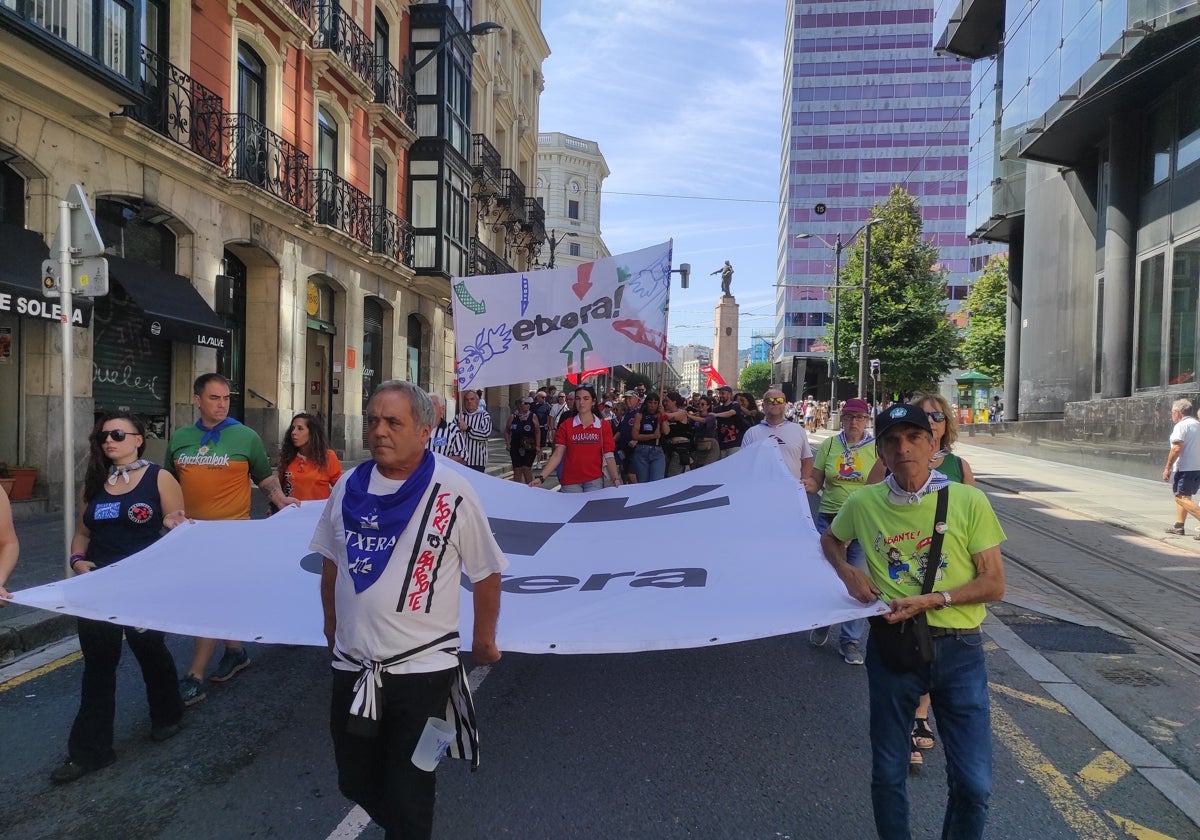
pixel 68 379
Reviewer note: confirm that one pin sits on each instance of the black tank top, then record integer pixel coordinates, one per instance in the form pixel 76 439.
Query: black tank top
pixel 649 424
pixel 124 525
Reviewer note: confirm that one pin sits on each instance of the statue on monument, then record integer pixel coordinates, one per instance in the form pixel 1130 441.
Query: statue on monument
pixel 726 272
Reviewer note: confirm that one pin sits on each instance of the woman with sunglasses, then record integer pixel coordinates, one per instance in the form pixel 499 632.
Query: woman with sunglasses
pixel 945 433
pixel 649 463
pixel 308 468
pixel 125 503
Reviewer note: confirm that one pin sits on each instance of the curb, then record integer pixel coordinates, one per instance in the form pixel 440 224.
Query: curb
pixel 32 630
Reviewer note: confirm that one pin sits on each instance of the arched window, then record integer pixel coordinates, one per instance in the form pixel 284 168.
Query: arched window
pixel 251 84
pixel 327 141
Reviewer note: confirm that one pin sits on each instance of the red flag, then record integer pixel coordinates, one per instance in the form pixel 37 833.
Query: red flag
pixel 575 378
pixel 711 376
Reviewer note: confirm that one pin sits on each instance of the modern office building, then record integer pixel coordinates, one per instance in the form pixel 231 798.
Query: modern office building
pixel 867 105
pixel 570 183
pixel 1085 160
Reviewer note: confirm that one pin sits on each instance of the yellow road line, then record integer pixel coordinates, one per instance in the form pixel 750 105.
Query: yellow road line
pixel 1032 699
pixel 37 672
pixel 1085 821
pixel 1102 772
pixel 1138 831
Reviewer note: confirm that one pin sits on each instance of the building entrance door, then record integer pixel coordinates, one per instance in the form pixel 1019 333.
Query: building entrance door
pixel 10 384
pixel 319 382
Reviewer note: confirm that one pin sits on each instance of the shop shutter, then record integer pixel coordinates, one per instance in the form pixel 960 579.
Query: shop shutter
pixel 131 371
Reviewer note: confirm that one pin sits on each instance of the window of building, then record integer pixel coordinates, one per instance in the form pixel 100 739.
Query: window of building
pixel 1181 333
pixel 1158 146
pixel 105 32
pixel 1149 322
pixel 574 250
pixel 327 141
pixel 251 84
pixel 572 209
pixel 12 196
pixel 1187 151
pixel 379 182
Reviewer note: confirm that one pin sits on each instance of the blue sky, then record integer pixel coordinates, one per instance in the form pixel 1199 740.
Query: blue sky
pixel 684 99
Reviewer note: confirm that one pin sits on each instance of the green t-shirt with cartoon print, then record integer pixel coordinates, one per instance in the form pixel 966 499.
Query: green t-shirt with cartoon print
pixel 896 539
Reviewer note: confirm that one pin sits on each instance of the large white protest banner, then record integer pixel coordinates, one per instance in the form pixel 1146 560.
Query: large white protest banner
pixel 595 572
pixel 538 324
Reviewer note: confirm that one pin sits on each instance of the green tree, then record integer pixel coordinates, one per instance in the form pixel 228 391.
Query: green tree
pixel 755 378
pixel 634 379
pixel 907 328
pixel 987 304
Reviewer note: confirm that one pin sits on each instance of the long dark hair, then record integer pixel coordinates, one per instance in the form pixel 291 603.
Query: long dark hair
pixel 318 444
pixel 98 463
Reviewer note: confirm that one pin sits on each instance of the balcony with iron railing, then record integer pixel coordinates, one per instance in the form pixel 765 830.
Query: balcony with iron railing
pixel 485 167
pixel 512 196
pixel 391 236
pixel 337 33
pixel 341 205
pixel 534 228
pixel 486 261
pixel 259 156
pixel 395 90
pixel 179 108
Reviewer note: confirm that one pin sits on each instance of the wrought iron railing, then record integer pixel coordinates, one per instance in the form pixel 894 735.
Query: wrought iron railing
pixel 179 108
pixel 486 261
pixel 535 223
pixel 302 8
pixel 391 235
pixel 485 167
pixel 259 156
pixel 338 32
pixel 512 195
pixel 340 204
pixel 393 88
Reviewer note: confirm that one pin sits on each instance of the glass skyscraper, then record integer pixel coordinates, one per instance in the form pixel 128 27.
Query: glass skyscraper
pixel 867 105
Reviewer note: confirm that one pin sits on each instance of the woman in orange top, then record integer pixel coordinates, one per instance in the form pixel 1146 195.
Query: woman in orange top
pixel 308 468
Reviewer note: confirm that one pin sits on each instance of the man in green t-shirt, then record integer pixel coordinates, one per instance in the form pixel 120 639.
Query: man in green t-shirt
pixel 894 522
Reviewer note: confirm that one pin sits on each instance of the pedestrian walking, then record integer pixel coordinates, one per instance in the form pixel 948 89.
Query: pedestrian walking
pixel 840 469
pixel 473 426
pixel 583 446
pixel 308 468
pixel 440 440
pixel 521 439
pixel 214 460
pixel 679 436
pixel 914 527
pixel 649 463
pixel 126 502
pixel 791 437
pixel 732 422
pixel 1183 461
pixel 10 546
pixel 392 622
pixel 705 424
pixel 624 440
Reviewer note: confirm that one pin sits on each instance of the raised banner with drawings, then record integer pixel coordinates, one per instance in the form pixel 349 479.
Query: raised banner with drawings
pixel 590 572
pixel 538 324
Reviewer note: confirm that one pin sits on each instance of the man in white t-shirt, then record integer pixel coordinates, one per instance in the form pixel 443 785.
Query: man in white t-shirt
pixel 397 536
pixel 791 437
pixel 1184 460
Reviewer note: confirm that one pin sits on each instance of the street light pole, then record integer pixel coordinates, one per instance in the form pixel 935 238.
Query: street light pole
pixel 837 300
pixel 866 296
pixel 554 241
pixel 478 29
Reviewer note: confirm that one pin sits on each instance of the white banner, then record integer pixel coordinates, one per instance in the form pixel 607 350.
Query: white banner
pixel 561 321
pixel 722 554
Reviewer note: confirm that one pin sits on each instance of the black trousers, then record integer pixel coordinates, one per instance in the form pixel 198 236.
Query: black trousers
pixel 377 772
pixel 91 739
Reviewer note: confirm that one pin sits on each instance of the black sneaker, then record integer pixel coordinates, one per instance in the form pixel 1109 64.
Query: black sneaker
pixel 1176 529
pixel 164 733
pixel 72 770
pixel 232 662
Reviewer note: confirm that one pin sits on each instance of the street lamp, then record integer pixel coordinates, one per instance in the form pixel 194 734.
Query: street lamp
pixel 866 294
pixel 554 239
pixel 837 248
pixel 478 29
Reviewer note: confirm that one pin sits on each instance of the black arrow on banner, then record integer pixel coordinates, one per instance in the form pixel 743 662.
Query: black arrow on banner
pixel 615 510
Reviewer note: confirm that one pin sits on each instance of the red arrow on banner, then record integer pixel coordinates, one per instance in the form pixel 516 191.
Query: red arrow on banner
pixel 583 284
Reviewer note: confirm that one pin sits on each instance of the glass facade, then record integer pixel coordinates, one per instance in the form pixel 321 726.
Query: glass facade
pixel 867 105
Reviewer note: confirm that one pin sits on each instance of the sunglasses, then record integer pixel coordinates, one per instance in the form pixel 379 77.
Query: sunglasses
pixel 117 435
pixel 936 416
pixel 774 400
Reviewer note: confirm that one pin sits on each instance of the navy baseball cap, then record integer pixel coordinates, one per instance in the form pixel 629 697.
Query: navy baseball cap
pixel 902 414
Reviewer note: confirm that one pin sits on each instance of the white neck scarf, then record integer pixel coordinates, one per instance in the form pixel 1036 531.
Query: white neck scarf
pixel 897 495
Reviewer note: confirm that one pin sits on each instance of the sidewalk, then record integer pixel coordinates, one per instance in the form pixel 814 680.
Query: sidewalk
pixel 1138 505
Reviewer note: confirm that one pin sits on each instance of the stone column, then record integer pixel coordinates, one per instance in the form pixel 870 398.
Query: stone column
pixel 725 340
pixel 1116 377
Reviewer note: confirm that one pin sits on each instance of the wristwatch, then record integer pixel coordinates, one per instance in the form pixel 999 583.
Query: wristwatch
pixel 946 600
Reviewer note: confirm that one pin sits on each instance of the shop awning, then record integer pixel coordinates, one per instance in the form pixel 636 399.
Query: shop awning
pixel 172 306
pixel 21 278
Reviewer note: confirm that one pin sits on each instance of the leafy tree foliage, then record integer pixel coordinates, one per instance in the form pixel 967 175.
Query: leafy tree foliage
pixel 983 343
pixel 755 378
pixel 907 328
pixel 635 379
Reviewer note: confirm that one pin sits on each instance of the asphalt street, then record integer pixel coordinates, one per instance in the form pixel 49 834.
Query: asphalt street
pixel 1095 724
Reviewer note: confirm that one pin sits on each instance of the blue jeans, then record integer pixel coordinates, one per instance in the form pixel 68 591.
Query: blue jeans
pixel 956 681
pixel 852 631
pixel 586 487
pixel 649 463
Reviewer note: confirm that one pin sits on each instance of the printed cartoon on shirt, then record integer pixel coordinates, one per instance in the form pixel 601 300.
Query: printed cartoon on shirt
pixel 906 566
pixel 850 467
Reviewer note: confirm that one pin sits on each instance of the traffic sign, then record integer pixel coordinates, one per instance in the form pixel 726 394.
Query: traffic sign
pixel 89 277
pixel 83 237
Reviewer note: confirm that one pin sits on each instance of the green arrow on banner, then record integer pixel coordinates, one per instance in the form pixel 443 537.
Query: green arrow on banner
pixel 464 297
pixel 585 344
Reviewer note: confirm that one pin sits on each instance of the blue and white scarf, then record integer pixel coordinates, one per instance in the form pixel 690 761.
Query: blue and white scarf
pixel 213 435
pixel 848 448
pixel 373 524
pixel 897 495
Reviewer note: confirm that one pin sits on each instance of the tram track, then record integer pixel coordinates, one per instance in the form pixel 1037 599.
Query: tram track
pixel 1109 608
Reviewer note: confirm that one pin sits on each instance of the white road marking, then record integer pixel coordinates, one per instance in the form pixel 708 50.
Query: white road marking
pixel 353 824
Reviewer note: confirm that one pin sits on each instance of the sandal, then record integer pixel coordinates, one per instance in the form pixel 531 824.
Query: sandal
pixel 915 762
pixel 922 735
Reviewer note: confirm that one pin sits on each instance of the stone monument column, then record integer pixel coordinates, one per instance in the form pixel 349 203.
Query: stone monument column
pixel 725 340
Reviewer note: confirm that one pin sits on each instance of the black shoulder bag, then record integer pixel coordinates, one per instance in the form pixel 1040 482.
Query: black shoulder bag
pixel 906 646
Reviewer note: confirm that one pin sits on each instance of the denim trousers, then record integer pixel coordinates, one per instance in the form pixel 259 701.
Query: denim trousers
pixel 585 487
pixel 956 681
pixel 649 463
pixel 851 631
